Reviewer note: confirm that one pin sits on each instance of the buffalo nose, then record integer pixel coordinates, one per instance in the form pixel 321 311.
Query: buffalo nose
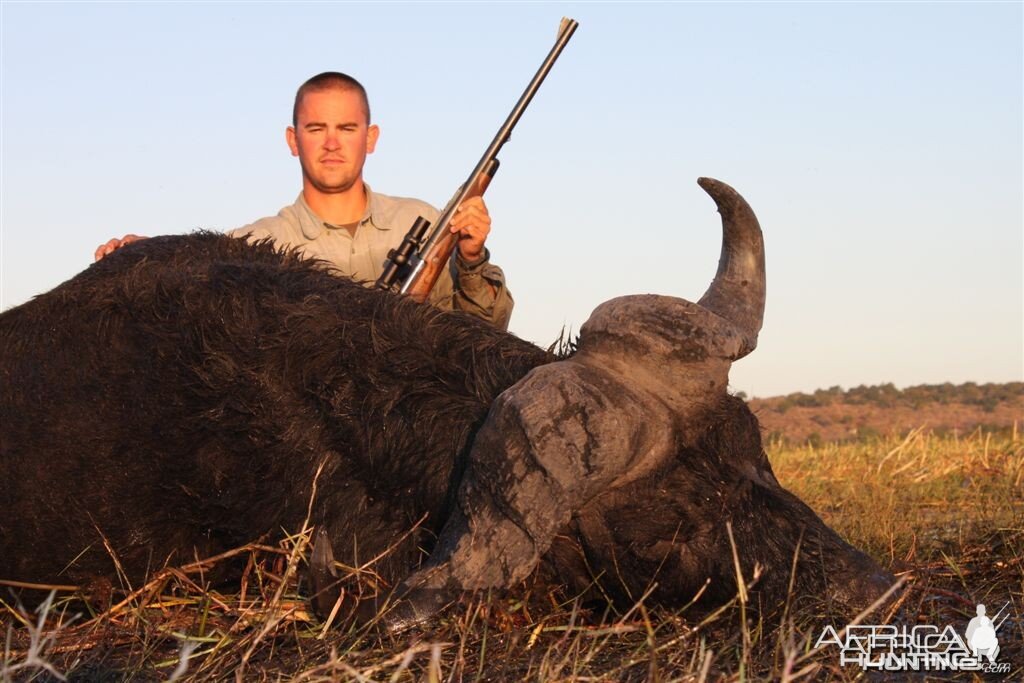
pixel 416 608
pixel 860 584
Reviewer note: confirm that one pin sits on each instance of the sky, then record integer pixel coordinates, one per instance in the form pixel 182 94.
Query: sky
pixel 880 145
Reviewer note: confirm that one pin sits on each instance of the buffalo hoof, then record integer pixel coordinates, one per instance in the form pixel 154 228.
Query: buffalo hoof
pixel 323 575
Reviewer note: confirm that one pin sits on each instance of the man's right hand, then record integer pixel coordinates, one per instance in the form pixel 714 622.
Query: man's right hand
pixel 108 248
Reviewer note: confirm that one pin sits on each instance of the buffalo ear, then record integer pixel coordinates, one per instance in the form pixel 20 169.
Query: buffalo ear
pixel 323 575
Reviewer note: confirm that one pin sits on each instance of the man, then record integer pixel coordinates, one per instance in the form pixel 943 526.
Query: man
pixel 339 219
pixel 981 636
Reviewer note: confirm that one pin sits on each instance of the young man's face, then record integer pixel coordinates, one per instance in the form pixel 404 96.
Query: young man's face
pixel 331 138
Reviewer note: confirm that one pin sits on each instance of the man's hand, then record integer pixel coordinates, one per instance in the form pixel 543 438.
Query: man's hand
pixel 473 223
pixel 108 247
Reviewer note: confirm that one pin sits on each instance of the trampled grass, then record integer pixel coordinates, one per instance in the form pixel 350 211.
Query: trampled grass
pixel 943 513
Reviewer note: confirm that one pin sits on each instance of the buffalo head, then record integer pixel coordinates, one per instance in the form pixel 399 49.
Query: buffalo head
pixel 632 454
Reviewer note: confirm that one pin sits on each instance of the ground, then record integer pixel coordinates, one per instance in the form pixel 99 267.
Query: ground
pixel 944 513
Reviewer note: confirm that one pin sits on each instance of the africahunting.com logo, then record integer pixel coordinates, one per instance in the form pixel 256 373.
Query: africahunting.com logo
pixel 921 647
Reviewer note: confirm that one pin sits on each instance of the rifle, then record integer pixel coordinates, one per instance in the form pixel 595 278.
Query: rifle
pixel 995 626
pixel 415 265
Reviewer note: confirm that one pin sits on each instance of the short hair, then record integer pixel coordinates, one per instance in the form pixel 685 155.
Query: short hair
pixel 329 80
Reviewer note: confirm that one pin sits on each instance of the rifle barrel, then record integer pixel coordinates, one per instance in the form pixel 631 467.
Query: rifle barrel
pixel 566 29
pixel 996 627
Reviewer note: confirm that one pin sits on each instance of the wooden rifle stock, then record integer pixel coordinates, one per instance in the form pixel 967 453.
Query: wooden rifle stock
pixel 415 265
pixel 436 257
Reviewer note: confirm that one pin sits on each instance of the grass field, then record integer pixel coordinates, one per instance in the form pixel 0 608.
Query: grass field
pixel 943 513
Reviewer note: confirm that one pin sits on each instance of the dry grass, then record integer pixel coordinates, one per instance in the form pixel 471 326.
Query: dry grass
pixel 944 513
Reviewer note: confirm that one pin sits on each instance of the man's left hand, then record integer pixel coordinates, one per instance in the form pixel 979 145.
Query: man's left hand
pixel 473 223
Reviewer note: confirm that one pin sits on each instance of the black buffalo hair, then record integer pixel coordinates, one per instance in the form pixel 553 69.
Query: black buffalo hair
pixel 176 399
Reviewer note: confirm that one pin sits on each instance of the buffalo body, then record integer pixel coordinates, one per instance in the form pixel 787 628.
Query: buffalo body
pixel 185 395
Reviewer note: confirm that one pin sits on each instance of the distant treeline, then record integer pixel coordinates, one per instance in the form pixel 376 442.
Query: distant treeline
pixel 986 396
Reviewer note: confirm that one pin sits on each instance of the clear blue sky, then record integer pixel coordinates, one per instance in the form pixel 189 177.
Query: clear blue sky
pixel 879 143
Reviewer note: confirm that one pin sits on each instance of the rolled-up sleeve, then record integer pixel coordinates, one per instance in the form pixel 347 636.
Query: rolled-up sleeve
pixel 478 289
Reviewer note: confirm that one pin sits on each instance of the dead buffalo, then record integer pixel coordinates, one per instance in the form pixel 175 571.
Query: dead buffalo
pixel 177 398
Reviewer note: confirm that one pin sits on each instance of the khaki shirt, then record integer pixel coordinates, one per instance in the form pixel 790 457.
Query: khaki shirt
pixel 478 289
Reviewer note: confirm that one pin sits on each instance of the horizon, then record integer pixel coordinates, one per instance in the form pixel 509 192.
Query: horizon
pixel 881 146
pixel 847 390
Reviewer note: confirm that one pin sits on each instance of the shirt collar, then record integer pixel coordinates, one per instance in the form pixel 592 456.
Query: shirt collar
pixel 313 226
pixel 374 210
